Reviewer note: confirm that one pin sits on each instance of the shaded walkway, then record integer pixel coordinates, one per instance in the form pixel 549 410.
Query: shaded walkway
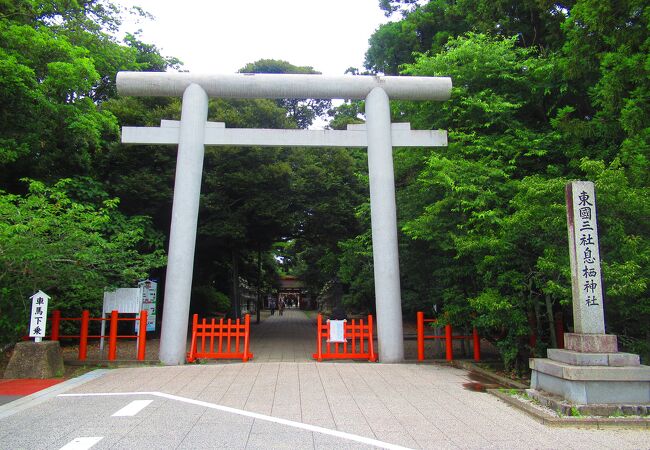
pixel 288 338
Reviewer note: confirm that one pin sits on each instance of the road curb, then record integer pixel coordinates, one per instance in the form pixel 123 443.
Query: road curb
pixel 36 398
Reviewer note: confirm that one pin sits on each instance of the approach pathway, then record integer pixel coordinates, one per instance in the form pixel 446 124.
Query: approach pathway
pixel 283 399
pixel 293 405
pixel 290 337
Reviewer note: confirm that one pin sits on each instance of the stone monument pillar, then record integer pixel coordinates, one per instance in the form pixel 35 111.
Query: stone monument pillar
pixel 590 370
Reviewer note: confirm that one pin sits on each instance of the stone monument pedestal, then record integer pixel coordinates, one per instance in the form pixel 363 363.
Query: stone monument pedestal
pixel 591 371
pixel 35 360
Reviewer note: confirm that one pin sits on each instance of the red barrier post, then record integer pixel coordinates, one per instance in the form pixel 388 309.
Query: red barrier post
pixel 420 326
pixel 142 335
pixel 204 329
pixel 112 337
pixel 195 323
pixel 477 345
pixel 319 340
pixel 449 353
pixel 247 324
pixel 238 325
pixel 55 324
pixel 83 335
pixel 371 343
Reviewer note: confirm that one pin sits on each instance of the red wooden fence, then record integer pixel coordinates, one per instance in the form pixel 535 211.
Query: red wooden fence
pixel 83 336
pixel 448 337
pixel 358 341
pixel 232 340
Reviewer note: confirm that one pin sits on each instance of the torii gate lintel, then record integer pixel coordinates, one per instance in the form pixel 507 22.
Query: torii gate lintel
pixel 217 134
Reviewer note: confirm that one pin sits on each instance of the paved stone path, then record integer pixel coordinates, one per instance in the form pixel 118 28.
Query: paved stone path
pixel 284 400
pixel 290 337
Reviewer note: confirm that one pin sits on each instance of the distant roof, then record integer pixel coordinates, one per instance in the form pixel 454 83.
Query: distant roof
pixel 290 282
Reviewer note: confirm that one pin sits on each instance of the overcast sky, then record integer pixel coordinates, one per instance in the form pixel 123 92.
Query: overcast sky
pixel 221 36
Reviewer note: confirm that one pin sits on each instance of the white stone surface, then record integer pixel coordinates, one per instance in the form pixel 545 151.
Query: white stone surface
pixel 383 213
pixel 593 359
pixel 586 279
pixel 592 373
pixel 214 135
pixel 589 391
pixel 182 239
pixel 283 85
pixel 416 406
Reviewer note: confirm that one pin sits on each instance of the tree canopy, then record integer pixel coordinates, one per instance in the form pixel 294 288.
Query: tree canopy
pixel 544 93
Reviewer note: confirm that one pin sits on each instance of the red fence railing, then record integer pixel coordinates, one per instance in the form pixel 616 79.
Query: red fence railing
pixel 220 340
pixel 83 336
pixel 448 337
pixel 358 341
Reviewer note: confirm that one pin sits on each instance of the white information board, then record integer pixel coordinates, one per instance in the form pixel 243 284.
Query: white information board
pixel 149 289
pixel 122 300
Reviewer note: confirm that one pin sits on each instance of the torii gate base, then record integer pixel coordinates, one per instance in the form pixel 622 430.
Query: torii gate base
pixel 192 137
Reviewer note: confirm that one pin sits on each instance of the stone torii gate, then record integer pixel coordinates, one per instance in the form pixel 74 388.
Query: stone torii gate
pixel 193 132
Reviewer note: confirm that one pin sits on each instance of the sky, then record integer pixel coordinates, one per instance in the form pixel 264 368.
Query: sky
pixel 222 36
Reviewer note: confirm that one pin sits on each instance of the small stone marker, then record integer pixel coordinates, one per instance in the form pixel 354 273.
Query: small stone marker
pixel 36 359
pixel 39 316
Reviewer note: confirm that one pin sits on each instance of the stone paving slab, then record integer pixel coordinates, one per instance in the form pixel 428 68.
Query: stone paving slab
pixel 413 406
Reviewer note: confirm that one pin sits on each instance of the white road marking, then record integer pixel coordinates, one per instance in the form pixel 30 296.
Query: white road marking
pixel 81 443
pixel 132 408
pixel 291 423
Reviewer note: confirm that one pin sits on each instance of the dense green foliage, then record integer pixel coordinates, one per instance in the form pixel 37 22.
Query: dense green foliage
pixel 72 250
pixel 58 62
pixel 543 93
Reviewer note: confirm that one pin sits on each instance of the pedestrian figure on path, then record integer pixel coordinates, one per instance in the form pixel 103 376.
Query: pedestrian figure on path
pixel 272 306
pixel 339 313
pixel 281 306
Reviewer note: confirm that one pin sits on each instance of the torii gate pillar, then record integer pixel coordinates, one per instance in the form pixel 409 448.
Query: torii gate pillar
pixel 182 235
pixel 380 137
pixel 383 216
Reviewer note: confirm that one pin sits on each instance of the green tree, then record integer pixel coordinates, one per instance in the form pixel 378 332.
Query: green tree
pixel 58 62
pixel 70 250
pixel 302 111
pixel 427 26
pixel 564 98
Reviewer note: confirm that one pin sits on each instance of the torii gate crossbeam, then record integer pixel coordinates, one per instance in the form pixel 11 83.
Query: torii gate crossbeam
pixel 194 132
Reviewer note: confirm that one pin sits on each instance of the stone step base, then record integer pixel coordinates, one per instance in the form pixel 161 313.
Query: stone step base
pixel 566 408
pixel 593 359
pixel 592 384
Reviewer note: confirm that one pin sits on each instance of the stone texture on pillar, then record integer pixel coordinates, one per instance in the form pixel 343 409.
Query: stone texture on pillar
pixel 595 343
pixel 584 253
pixel 383 212
pixel 182 239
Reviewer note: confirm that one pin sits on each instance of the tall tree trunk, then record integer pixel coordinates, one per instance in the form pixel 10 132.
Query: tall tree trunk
pixel 259 283
pixel 551 320
pixel 235 285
